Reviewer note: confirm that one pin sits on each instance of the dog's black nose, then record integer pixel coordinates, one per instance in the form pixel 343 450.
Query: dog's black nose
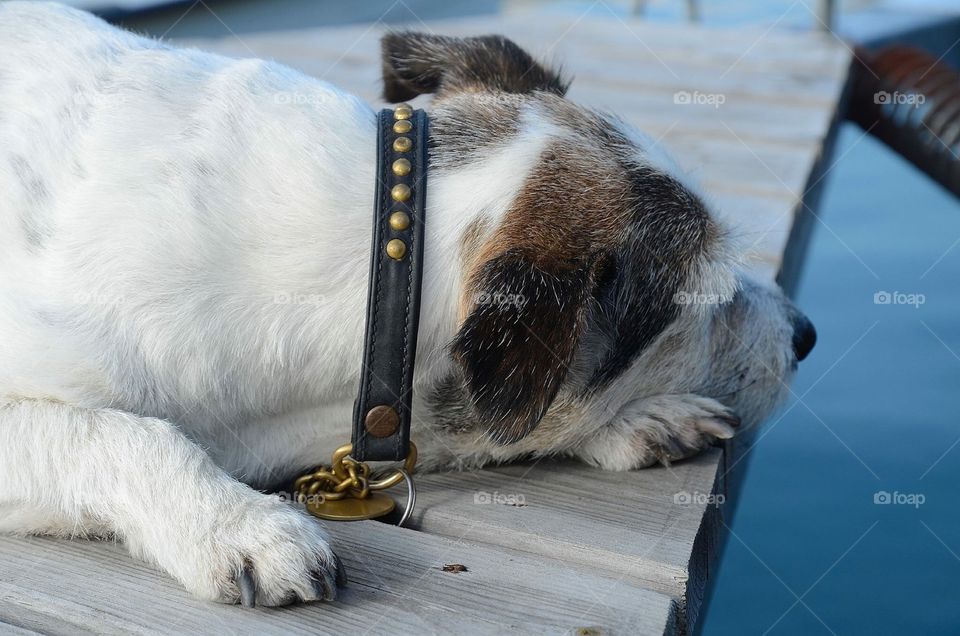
pixel 804 336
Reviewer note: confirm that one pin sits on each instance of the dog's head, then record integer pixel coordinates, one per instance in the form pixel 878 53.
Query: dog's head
pixel 603 279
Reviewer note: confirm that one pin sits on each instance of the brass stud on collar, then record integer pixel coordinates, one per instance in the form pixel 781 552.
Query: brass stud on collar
pixel 400 192
pixel 396 249
pixel 401 167
pixel 399 221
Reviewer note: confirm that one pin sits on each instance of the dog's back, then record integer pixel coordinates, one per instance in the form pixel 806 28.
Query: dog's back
pixel 135 173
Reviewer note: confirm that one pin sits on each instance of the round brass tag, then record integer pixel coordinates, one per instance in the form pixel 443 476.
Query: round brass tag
pixel 381 421
pixel 350 509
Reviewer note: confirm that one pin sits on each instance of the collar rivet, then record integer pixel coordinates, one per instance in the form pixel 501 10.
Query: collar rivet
pixel 401 167
pixel 396 249
pixel 399 221
pixel 400 192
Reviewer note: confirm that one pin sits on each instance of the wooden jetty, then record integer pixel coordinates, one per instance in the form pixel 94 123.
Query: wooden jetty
pixel 750 112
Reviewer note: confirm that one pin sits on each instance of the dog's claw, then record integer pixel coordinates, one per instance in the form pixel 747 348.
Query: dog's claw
pixel 719 428
pixel 324 585
pixel 341 572
pixel 248 587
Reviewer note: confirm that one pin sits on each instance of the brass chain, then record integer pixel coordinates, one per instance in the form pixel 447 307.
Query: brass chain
pixel 346 477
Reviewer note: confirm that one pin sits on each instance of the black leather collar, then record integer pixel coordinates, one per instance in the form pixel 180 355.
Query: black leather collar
pixel 381 416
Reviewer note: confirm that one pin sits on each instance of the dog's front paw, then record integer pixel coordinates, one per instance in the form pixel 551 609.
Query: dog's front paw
pixel 660 429
pixel 262 552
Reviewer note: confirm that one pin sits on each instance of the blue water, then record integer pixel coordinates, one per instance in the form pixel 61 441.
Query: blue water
pixel 879 412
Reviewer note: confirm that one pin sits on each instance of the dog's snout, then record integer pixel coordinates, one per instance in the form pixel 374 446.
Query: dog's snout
pixel 804 336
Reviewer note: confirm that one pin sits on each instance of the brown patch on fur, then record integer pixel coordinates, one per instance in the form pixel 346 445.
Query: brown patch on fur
pixel 564 216
pixel 530 284
pixel 573 207
pixel 593 240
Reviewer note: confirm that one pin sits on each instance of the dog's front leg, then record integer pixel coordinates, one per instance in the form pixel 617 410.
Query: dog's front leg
pixel 141 479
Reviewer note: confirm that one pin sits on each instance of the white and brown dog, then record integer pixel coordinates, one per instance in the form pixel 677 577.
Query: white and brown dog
pixel 183 280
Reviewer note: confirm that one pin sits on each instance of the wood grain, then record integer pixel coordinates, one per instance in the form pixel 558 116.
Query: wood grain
pixel 397 585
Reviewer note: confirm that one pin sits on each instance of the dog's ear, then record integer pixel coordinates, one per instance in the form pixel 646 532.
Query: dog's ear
pixel 519 338
pixel 417 63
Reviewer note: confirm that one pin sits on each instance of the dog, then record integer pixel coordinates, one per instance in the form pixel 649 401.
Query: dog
pixel 183 282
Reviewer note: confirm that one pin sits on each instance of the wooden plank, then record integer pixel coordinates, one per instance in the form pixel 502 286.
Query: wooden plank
pixel 638 70
pixel 606 77
pixel 397 586
pixel 626 523
pixel 800 230
pixel 640 526
pixel 751 49
pixel 13 630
